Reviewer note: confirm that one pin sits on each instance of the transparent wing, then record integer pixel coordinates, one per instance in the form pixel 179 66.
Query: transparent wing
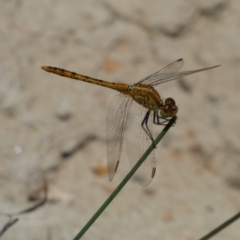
pixel 166 77
pixel 138 142
pixel 116 120
pixel 170 73
pixel 171 68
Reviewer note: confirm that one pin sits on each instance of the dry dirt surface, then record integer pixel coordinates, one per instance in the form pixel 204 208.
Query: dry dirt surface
pixel 54 128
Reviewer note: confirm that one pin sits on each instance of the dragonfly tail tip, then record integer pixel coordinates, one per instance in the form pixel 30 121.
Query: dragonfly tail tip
pixel 44 68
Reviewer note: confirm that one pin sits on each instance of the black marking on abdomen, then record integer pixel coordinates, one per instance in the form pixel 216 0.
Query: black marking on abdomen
pixel 87 78
pixel 73 74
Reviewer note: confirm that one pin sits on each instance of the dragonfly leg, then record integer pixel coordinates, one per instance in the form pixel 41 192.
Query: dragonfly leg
pixel 144 125
pixel 158 120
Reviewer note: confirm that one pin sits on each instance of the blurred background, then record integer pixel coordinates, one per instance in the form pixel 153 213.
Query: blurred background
pixel 54 128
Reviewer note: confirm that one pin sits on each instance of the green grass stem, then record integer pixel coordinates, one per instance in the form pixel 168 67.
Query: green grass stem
pixel 125 180
pixel 221 227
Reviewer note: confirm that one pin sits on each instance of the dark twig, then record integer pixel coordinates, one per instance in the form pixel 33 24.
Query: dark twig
pixel 30 209
pixel 10 223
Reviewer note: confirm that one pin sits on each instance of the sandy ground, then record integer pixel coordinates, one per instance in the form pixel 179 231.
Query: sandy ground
pixel 55 129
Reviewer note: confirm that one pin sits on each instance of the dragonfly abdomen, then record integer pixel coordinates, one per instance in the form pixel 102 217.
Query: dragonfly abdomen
pixel 121 87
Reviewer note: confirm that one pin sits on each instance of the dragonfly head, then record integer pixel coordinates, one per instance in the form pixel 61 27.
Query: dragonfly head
pixel 169 108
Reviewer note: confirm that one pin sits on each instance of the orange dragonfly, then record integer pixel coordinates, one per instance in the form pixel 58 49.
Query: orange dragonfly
pixel 136 104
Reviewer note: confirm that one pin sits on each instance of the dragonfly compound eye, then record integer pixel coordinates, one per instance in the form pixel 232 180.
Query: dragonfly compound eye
pixel 170 101
pixel 169 110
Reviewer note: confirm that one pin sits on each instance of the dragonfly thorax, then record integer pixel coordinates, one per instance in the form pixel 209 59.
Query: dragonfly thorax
pixel 145 95
pixel 148 97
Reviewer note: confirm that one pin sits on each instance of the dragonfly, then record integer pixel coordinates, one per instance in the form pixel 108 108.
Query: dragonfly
pixel 133 111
